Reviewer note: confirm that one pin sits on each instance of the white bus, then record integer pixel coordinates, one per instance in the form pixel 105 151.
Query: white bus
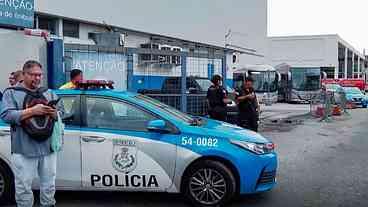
pixel 265 80
pixel 299 84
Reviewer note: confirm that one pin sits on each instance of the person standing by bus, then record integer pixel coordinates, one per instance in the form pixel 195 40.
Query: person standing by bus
pixel 248 106
pixel 217 99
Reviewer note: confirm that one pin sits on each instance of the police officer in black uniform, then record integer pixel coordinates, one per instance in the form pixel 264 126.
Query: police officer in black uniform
pixel 248 106
pixel 217 99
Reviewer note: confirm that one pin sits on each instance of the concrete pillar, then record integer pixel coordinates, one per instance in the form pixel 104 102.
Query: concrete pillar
pixel 59 27
pixel 130 69
pixel 183 102
pixel 36 22
pixel 353 62
pixel 346 63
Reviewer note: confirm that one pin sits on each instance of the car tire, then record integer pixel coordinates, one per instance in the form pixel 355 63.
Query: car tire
pixel 6 185
pixel 365 106
pixel 218 189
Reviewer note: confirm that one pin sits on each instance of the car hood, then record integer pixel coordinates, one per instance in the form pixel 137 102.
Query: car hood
pixel 229 131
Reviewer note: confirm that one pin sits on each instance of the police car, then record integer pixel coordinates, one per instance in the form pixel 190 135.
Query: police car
pixel 121 141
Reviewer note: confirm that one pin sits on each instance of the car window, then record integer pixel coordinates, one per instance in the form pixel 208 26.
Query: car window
pixel 111 114
pixel 71 110
pixel 166 108
pixel 352 90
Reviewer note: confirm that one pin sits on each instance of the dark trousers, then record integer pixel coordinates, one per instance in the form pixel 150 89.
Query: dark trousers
pixel 249 123
pixel 218 113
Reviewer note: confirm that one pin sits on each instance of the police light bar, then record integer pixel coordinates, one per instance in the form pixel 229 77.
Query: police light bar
pixel 95 84
pixel 37 32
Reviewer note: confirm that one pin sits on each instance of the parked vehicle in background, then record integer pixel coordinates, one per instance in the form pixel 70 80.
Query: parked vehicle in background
pixel 356 97
pixel 196 90
pixel 337 91
pixel 333 87
pixel 298 84
pixel 265 80
pixel 359 83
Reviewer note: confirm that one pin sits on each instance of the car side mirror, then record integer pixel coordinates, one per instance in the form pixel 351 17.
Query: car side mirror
pixel 158 126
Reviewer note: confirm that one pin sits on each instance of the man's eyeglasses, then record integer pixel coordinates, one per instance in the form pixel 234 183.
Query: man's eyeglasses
pixel 35 74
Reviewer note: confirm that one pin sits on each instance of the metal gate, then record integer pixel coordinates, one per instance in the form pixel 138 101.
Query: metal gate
pixel 179 79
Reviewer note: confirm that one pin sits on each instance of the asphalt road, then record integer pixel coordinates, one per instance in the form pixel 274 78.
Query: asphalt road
pixel 320 164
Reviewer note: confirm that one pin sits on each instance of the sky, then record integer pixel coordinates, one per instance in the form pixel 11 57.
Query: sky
pixel 306 17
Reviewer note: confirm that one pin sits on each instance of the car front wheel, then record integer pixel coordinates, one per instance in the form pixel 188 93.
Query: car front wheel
pixel 6 186
pixel 209 183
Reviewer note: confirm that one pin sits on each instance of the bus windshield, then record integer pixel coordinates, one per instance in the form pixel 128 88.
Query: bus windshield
pixel 264 81
pixel 306 79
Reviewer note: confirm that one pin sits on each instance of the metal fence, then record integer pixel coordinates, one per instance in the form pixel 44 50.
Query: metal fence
pixel 179 79
pixel 328 104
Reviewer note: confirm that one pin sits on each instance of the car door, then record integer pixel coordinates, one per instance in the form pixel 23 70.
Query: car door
pixel 69 159
pixel 119 153
pixel 5 148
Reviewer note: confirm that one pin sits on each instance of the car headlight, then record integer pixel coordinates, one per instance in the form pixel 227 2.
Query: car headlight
pixel 257 148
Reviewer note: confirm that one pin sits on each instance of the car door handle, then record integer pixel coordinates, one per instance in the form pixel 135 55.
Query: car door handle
pixel 93 139
pixel 4 132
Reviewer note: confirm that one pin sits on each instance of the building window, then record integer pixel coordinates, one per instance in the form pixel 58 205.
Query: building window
pixel 47 23
pixel 330 71
pixel 70 29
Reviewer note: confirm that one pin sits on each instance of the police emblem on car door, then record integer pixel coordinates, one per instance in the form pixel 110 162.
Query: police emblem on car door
pixel 124 155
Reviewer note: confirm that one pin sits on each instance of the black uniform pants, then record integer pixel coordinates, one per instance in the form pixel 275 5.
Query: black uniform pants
pixel 249 123
pixel 218 113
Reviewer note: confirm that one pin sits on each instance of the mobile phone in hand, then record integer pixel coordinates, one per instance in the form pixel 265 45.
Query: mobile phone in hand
pixel 53 103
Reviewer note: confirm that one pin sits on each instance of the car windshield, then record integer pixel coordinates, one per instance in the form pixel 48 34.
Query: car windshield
pixel 168 109
pixel 352 90
pixel 333 87
pixel 204 83
pixel 306 79
pixel 238 80
pixel 229 89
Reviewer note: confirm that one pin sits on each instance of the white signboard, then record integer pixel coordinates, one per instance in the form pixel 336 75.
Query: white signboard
pixel 100 65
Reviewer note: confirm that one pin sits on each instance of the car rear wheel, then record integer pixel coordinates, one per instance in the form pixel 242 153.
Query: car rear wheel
pixel 209 183
pixel 6 185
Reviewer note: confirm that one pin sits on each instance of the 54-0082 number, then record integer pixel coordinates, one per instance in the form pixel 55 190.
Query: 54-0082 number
pixel 200 141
